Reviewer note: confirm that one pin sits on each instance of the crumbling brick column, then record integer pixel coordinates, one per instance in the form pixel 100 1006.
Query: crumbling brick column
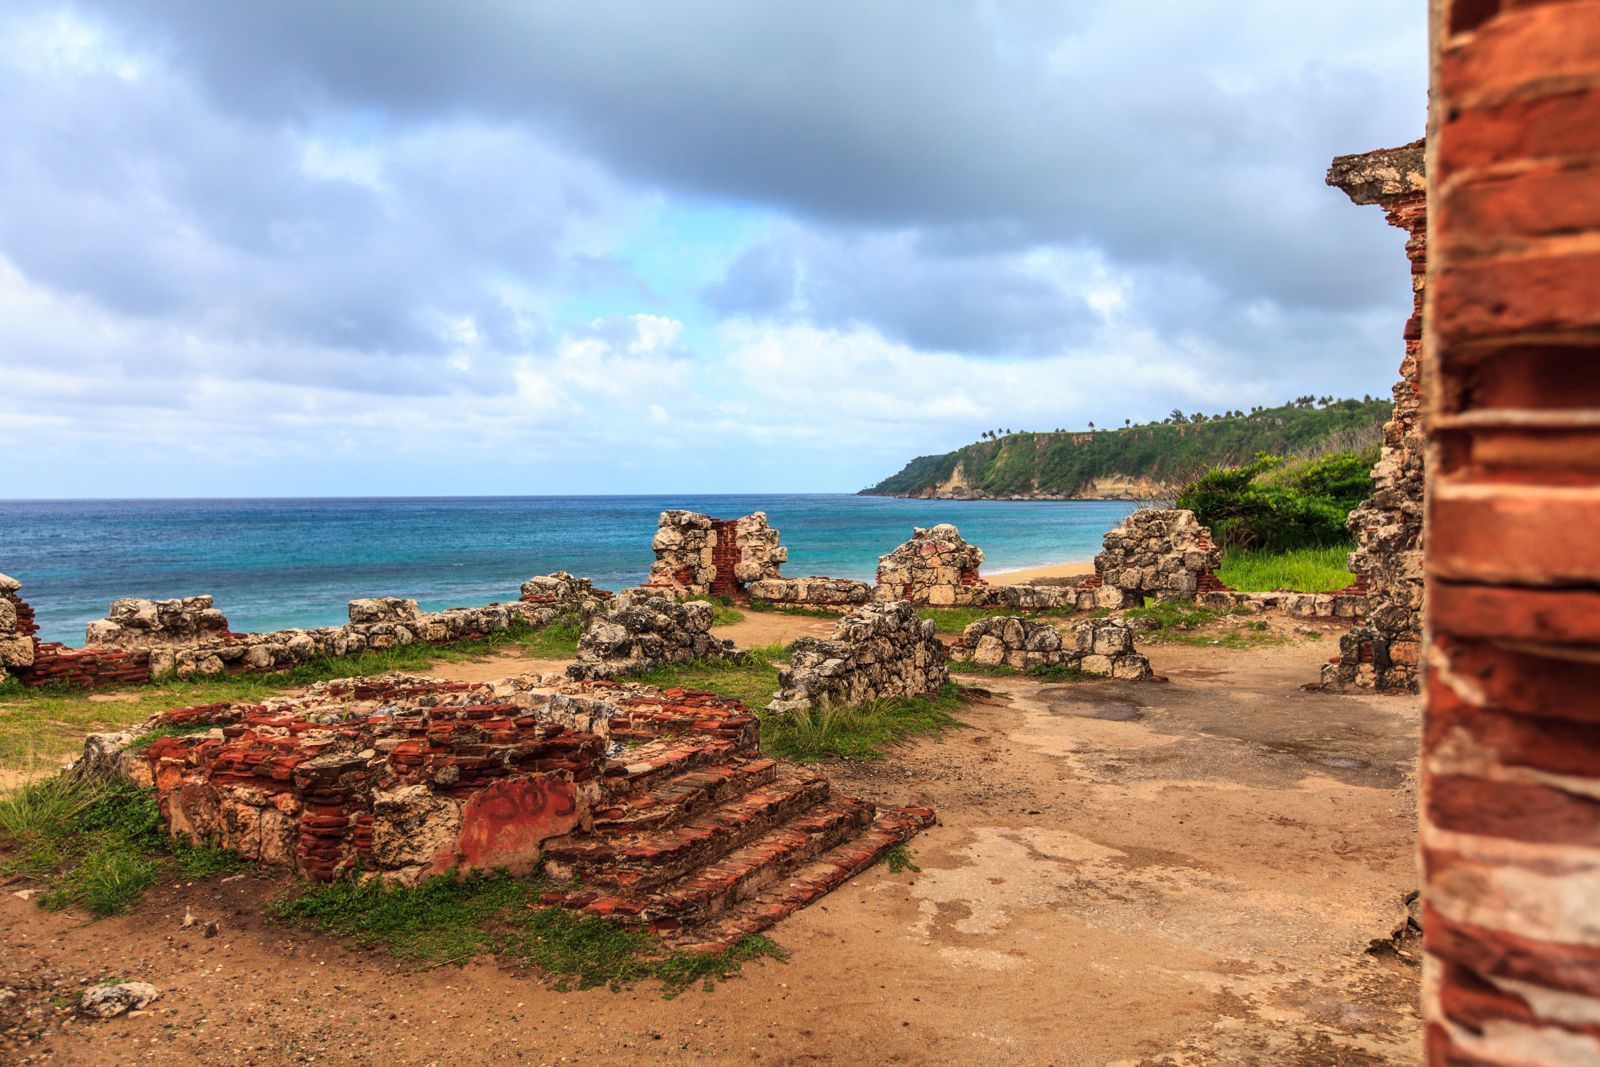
pixel 1382 652
pixel 1510 830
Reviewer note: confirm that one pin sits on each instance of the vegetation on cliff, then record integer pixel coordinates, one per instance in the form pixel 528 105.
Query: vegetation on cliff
pixel 1148 461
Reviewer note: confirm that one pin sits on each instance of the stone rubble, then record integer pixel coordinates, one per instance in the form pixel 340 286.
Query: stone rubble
pixel 110 1001
pixel 1098 646
pixel 880 650
pixel 641 629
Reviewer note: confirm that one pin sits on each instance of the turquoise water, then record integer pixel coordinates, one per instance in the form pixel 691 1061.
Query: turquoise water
pixel 278 563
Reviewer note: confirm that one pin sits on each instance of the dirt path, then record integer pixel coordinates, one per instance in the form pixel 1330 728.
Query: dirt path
pixel 1156 874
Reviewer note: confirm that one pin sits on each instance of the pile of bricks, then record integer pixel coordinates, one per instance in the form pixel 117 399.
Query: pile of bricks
pixel 662 814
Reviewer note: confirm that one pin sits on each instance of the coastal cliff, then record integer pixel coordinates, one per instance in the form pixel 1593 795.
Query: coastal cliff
pixel 1147 462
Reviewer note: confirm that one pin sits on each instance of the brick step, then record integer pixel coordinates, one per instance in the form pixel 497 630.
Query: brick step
pixel 644 860
pixel 644 765
pixel 677 798
pixel 713 889
pixel 806 885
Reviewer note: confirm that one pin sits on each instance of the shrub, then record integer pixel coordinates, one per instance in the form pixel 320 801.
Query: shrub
pixel 1270 506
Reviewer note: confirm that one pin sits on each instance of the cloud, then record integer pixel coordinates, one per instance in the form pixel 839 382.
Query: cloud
pixel 834 234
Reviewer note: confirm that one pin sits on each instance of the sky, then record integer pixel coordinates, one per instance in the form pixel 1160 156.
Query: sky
pixel 400 248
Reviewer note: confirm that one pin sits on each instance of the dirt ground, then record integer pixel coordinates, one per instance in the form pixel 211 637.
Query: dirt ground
pixel 1123 874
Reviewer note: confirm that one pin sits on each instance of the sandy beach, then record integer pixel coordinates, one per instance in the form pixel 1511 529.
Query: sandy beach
pixel 1029 574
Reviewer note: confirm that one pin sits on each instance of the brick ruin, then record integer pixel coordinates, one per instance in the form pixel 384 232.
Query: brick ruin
pixel 877 651
pixel 1384 650
pixel 652 808
pixel 1161 553
pixel 1510 768
pixel 1097 646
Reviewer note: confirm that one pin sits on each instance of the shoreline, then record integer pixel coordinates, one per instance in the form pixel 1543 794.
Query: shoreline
pixel 1068 569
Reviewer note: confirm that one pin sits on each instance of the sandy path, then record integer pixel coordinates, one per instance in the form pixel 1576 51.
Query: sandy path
pixel 1173 874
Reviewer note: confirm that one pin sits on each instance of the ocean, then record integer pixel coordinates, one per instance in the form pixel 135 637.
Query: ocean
pixel 272 564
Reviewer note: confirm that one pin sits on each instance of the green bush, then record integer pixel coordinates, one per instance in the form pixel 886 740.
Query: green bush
pixel 1270 506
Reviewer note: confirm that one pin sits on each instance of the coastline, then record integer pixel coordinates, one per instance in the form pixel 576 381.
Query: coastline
pixel 1068 569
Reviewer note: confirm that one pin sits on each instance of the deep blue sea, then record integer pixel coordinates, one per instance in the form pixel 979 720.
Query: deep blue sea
pixel 278 563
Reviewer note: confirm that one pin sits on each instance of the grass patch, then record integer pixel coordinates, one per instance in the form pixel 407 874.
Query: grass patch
pixel 1053 671
pixel 39 726
pixel 858 733
pixel 96 846
pixel 723 612
pixel 1303 570
pixel 1193 625
pixel 751 679
pixel 451 920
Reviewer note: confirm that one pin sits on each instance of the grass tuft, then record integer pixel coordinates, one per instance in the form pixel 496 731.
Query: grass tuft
pixel 1303 570
pixel 1193 625
pixel 96 846
pixel 857 733
pixel 898 859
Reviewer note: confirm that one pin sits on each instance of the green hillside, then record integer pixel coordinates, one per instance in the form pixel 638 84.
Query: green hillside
pixel 1149 461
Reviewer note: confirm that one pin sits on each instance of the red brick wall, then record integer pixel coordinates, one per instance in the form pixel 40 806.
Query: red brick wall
pixel 1511 751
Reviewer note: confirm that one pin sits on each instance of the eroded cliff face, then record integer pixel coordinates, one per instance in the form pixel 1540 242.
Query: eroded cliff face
pixel 1109 487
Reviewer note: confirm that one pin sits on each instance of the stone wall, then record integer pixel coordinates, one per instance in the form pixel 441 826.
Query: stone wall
pixel 697 555
pixel 1510 766
pixel 642 629
pixel 880 650
pixel 1163 553
pixel 937 567
pixel 811 592
pixel 1343 604
pixel 1384 651
pixel 171 624
pixel 1097 646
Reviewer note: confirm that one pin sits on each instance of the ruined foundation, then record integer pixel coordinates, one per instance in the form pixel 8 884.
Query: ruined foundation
pixel 656 807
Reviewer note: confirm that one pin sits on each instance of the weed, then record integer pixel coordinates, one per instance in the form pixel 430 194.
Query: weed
pixel 1192 625
pixel 899 859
